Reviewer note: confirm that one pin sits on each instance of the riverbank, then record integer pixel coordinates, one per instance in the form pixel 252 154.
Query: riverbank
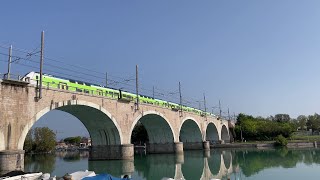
pixel 259 145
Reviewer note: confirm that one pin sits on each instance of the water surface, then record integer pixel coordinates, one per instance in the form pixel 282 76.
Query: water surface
pixel 193 165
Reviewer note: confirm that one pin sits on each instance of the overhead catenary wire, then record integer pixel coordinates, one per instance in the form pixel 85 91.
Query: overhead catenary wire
pixel 126 83
pixel 68 64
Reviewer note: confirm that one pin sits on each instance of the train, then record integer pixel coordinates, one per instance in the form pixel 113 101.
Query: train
pixel 52 81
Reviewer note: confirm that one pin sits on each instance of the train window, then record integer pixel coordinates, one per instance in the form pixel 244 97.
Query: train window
pixel 63 85
pixel 86 91
pixel 106 93
pixel 99 92
pixel 78 90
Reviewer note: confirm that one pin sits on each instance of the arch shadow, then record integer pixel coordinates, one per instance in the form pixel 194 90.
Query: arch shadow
pixel 212 134
pixel 225 134
pixel 190 134
pixel 160 132
pixel 102 127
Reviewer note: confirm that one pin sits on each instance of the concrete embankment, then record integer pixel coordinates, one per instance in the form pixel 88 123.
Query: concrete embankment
pixel 266 145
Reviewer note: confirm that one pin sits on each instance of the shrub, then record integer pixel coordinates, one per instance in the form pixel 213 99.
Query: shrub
pixel 281 141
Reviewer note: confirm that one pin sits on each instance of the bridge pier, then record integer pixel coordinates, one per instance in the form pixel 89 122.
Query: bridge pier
pixel 112 152
pixel 196 145
pixel 192 145
pixel 163 148
pixel 206 145
pixel 11 160
pixel 178 147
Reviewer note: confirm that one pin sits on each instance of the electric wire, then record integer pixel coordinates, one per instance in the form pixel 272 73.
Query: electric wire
pixel 164 93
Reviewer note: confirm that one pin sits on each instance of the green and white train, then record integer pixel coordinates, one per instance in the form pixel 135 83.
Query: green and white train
pixel 93 89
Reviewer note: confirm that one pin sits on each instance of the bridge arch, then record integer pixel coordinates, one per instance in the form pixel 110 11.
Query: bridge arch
pixel 212 134
pixel 102 126
pixel 215 162
pixel 158 127
pixel 190 134
pixel 227 159
pixel 225 134
pixel 193 165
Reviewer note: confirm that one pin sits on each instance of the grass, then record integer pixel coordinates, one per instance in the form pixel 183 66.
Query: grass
pixel 296 138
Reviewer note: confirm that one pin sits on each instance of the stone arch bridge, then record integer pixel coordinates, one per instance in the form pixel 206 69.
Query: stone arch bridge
pixel 109 122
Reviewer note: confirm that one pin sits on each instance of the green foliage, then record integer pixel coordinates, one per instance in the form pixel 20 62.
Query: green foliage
pixel 313 122
pixel 282 118
pixel 262 129
pixel 73 140
pixel 39 140
pixel 28 143
pixel 305 138
pixel 44 139
pixel 281 141
pixel 302 122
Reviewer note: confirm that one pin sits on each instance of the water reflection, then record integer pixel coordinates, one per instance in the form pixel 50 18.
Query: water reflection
pixel 252 161
pixel 219 164
pixel 40 163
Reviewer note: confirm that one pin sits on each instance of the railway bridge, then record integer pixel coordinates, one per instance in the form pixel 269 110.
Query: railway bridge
pixel 109 122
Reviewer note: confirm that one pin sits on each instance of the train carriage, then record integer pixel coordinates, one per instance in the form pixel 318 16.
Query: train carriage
pixel 93 89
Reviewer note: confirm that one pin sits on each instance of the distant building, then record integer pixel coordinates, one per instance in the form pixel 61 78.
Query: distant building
pixel 61 145
pixel 85 142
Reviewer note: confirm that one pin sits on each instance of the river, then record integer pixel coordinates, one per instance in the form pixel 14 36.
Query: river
pixel 193 165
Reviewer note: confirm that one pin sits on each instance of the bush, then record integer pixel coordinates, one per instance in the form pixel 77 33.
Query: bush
pixel 281 141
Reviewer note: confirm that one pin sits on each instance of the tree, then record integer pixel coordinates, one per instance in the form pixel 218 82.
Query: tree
pixel 28 143
pixel 302 121
pixel 44 139
pixel 313 122
pixel 40 139
pixel 282 117
pixel 73 140
pixel 259 128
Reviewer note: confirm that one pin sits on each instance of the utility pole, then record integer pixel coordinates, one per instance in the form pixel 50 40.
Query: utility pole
pixel 180 99
pixel 137 88
pixel 41 64
pixel 205 105
pixel 106 79
pixel 234 117
pixel 9 61
pixel 229 115
pixel 220 112
pixel 180 96
pixel 153 92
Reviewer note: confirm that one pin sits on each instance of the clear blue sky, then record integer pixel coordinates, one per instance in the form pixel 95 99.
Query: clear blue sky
pixel 258 57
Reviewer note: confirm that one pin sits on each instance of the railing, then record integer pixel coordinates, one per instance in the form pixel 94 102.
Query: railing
pixel 13 77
